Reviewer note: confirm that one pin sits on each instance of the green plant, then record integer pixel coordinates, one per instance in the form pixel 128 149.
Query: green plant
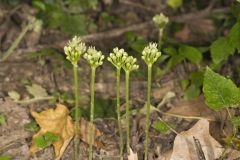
pixel 2 119
pixel 74 50
pixel 118 59
pixel 220 93
pixel 160 21
pixel 128 67
pixel 5 157
pixel 150 55
pixel 95 59
pixel 46 139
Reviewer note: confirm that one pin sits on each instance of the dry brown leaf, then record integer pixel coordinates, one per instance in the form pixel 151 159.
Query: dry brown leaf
pixel 84 133
pixel 58 122
pixel 184 147
pixel 193 108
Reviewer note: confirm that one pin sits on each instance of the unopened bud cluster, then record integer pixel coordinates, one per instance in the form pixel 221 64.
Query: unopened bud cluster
pixel 74 49
pixel 150 53
pixel 118 57
pixel 130 64
pixel 160 20
pixel 94 57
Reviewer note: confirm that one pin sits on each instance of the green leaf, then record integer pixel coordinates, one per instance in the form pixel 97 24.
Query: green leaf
pixel 221 49
pixel 174 3
pixel 4 157
pixel 51 137
pixel 234 36
pixel 184 83
pixel 41 142
pixel 2 119
pixel 197 78
pixel 39 5
pixel 37 91
pixel 161 127
pixel 45 140
pixel 14 95
pixel 191 53
pixel 235 121
pixel 219 91
pixel 192 92
pixel 31 126
pixel 139 44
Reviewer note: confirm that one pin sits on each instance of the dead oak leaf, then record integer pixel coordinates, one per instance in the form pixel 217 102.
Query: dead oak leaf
pixel 185 148
pixel 58 122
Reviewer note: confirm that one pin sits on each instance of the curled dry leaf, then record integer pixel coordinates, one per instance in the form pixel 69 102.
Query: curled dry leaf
pixel 58 122
pixel 185 148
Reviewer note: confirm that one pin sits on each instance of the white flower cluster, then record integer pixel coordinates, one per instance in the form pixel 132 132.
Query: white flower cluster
pixel 160 20
pixel 94 57
pixel 130 64
pixel 118 57
pixel 150 54
pixel 74 49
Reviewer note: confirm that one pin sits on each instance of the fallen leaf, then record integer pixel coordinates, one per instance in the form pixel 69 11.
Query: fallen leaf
pixel 84 133
pixel 14 95
pixel 132 155
pixel 193 108
pixel 58 122
pixel 37 91
pixel 184 147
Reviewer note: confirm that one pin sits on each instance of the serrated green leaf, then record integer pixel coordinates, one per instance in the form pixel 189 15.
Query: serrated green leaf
pixel 191 53
pixel 5 157
pixel 2 119
pixel 14 95
pixel 41 142
pixel 219 91
pixel 31 126
pixel 235 121
pixel 174 3
pixel 37 91
pixel 221 49
pixel 234 36
pixel 51 137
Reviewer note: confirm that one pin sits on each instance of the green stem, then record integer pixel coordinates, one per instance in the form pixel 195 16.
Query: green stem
pixel 118 114
pixel 77 113
pixel 15 43
pixel 160 37
pixel 148 110
pixel 127 111
pixel 91 114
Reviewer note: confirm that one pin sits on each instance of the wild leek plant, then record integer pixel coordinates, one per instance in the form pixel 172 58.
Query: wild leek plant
pixel 150 55
pixel 160 21
pixel 129 66
pixel 74 49
pixel 118 59
pixel 95 59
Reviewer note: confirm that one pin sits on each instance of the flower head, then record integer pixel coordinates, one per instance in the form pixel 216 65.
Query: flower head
pixel 74 49
pixel 160 20
pixel 150 54
pixel 118 57
pixel 130 64
pixel 94 57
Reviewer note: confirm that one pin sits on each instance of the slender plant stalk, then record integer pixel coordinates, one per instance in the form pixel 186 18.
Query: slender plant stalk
pixel 148 109
pixel 91 114
pixel 160 38
pixel 77 115
pixel 15 43
pixel 127 111
pixel 118 114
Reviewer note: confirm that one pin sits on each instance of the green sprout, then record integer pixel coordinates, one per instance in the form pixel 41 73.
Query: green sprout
pixel 118 59
pixel 74 49
pixel 95 59
pixel 150 55
pixel 160 21
pixel 129 66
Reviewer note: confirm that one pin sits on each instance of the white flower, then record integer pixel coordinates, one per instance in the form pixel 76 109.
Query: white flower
pixel 94 57
pixel 150 54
